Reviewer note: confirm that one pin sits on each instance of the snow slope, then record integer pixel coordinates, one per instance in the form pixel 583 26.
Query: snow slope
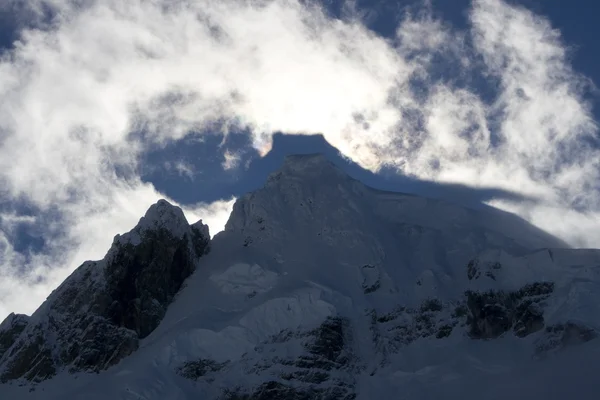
pixel 323 288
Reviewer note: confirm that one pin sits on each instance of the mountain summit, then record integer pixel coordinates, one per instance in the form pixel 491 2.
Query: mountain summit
pixel 99 314
pixel 318 288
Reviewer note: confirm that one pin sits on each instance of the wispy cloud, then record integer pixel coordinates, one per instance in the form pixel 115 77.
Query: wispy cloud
pixel 214 214
pixel 181 168
pixel 88 92
pixel 231 161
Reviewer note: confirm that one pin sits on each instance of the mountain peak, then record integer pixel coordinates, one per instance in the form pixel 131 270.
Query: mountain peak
pixel 305 158
pixel 162 215
pixel 13 319
pixel 315 168
pixel 309 165
pixel 99 315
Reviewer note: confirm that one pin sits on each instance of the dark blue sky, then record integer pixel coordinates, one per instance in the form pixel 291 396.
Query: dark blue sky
pixel 576 19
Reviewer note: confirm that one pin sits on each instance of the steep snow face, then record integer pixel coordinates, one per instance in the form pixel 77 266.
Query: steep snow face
pixel 323 288
pixel 246 279
pixel 319 223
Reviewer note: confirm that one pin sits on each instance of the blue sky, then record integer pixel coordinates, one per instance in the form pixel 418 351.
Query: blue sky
pixel 108 107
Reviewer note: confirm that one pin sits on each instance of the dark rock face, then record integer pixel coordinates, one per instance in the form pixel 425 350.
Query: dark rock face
pixel 10 329
pixel 142 280
pixel 272 390
pixel 323 371
pixel 475 268
pixel 493 313
pixel 320 369
pixel 97 345
pixel 559 336
pixel 99 314
pixel 30 358
pixel 529 318
pixel 371 279
pixel 326 349
pixel 201 368
pixel 404 325
pixel 275 390
pixel 484 315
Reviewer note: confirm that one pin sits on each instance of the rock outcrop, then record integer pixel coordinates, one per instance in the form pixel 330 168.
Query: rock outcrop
pixel 99 314
pixel 10 329
pixel 319 366
pixel 559 336
pixel 494 312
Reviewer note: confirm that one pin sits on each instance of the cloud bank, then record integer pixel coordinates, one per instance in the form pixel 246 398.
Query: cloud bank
pixel 89 90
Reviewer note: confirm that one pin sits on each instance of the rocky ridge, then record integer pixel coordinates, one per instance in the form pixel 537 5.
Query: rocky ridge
pixel 99 314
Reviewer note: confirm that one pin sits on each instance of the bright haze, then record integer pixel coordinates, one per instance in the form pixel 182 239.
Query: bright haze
pixel 109 105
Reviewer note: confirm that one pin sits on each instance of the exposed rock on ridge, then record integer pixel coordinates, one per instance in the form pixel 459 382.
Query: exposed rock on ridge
pixel 99 314
pixel 10 330
pixel 320 367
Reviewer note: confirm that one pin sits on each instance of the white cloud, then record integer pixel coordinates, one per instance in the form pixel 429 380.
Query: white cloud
pixel 232 160
pixel 181 168
pixel 214 214
pixel 11 220
pixel 74 91
pixel 544 120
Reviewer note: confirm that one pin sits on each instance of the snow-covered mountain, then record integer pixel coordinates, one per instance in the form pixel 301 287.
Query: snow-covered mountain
pixel 319 288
